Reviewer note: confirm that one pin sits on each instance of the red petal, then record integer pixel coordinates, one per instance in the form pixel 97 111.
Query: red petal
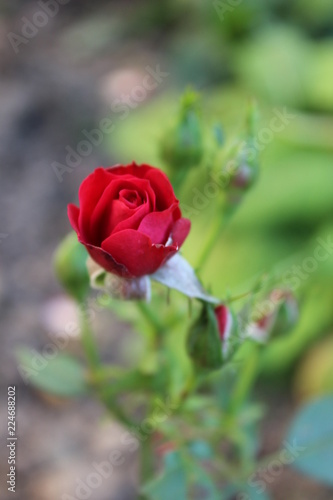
pixel 180 231
pixel 105 260
pixel 90 192
pixel 157 225
pixel 136 252
pixel 165 195
pixel 73 215
pixel 107 214
pixel 131 169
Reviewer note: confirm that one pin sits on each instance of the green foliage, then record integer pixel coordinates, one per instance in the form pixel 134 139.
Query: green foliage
pixel 171 483
pixel 60 374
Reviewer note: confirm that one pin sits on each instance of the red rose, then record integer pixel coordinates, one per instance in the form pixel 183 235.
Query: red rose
pixel 129 219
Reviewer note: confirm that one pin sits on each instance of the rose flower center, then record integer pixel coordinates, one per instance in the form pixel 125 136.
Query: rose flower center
pixel 130 198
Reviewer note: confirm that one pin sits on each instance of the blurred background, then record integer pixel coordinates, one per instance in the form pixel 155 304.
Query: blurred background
pixel 70 67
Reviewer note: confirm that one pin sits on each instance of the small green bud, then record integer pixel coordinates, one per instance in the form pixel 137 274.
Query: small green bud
pixel 182 145
pixel 204 341
pixel 70 267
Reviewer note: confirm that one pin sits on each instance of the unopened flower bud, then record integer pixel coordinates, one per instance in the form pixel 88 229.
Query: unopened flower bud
pixel 182 145
pixel 245 165
pixel 204 340
pixel 209 341
pixel 280 316
pixel 70 267
pixel 243 177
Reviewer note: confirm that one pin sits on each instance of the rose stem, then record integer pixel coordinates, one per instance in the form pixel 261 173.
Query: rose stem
pixel 212 239
pixel 94 362
pixel 89 345
pixel 149 314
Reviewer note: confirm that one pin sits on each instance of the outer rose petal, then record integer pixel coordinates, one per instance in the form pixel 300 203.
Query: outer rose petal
pixel 180 231
pixel 131 169
pixel 165 195
pixel 105 260
pixel 73 215
pixel 137 252
pixel 90 192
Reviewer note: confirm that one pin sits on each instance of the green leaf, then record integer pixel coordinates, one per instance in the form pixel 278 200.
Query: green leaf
pixel 62 375
pixel 201 450
pixel 170 484
pixel 204 483
pixel 311 438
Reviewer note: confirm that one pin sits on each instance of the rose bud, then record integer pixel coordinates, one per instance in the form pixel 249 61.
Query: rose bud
pixel 182 146
pixel 287 311
pixel 208 342
pixel 281 316
pixel 70 267
pixel 242 177
pixel 129 219
pixel 227 326
pixel 244 163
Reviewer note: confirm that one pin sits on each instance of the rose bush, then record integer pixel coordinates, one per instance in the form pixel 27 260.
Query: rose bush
pixel 129 219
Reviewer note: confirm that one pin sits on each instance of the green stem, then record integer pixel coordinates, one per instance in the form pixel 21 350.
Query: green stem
pixel 210 243
pixel 246 378
pixel 89 345
pixel 152 318
pixel 91 352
